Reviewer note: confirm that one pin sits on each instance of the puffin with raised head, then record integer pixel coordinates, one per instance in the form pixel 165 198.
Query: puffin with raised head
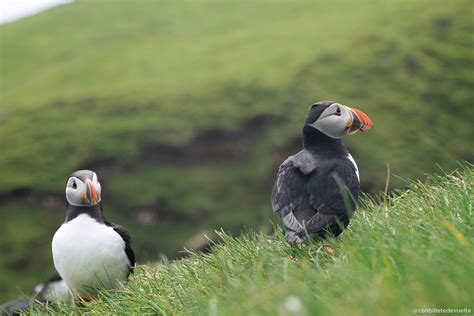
pixel 89 252
pixel 316 190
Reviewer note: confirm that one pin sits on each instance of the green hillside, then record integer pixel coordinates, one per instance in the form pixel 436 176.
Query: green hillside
pixel 186 109
pixel 412 252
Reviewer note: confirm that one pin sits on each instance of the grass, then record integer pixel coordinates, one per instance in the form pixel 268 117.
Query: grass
pixel 186 110
pixel 414 250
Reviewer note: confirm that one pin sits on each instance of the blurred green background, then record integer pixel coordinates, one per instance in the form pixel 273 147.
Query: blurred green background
pixel 186 109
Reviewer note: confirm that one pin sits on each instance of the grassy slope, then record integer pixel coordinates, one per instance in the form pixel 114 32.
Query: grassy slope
pixel 414 250
pixel 83 86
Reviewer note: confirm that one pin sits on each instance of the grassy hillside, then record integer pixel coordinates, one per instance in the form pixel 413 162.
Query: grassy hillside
pixel 186 109
pixel 415 250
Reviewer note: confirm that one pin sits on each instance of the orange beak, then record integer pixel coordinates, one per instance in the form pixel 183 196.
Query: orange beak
pixel 91 194
pixel 359 122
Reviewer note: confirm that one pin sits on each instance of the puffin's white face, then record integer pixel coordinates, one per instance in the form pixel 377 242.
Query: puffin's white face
pixel 83 188
pixel 338 120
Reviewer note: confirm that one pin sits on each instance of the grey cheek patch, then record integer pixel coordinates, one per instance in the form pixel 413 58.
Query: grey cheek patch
pixel 328 126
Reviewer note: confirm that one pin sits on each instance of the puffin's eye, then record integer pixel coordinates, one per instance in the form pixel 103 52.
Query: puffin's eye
pixel 74 185
pixel 338 111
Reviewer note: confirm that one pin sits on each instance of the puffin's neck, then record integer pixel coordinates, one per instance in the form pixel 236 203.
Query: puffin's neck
pixel 94 211
pixel 319 143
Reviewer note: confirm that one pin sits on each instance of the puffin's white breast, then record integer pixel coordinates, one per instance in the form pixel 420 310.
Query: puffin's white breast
pixel 355 165
pixel 89 254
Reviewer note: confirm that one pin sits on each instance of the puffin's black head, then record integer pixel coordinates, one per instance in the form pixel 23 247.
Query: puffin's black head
pixel 83 188
pixel 335 120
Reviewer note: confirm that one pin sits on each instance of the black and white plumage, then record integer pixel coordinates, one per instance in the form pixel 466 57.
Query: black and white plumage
pixel 53 290
pixel 316 189
pixel 90 252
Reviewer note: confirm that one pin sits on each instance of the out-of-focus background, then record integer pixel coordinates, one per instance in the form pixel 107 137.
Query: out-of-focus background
pixel 186 110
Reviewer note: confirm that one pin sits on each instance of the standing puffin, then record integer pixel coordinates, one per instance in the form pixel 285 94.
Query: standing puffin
pixel 89 252
pixel 316 189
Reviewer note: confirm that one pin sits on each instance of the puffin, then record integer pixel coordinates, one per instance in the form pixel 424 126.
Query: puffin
pixel 52 290
pixel 89 252
pixel 316 189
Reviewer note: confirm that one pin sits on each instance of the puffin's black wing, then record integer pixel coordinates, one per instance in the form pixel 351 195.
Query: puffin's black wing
pixel 335 191
pixel 332 191
pixel 289 196
pixel 289 188
pixel 126 237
